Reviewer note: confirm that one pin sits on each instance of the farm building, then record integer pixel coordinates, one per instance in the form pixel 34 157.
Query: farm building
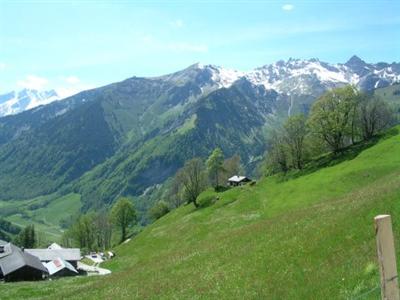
pixel 16 264
pixel 71 255
pixel 238 180
pixel 60 267
pixel 54 246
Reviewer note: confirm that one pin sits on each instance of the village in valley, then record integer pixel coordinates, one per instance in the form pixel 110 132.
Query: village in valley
pixel 19 264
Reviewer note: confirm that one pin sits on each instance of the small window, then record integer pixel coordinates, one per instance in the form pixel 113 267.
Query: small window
pixel 1 249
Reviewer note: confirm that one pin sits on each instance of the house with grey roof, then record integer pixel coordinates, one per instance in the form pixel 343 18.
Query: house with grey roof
pixel 16 264
pixel 71 255
pixel 238 180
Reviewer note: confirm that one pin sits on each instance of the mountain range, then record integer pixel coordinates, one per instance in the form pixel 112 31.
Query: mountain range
pixel 130 137
pixel 292 76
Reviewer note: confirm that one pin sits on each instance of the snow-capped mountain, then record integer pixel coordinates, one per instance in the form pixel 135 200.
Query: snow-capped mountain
pixel 16 102
pixel 206 77
pixel 295 76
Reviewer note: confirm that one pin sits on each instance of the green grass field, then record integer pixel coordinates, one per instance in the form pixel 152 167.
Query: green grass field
pixel 44 212
pixel 308 237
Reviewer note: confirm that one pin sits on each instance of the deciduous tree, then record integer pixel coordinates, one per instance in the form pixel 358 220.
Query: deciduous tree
pixel 294 135
pixel 231 166
pixel 159 209
pixel 123 214
pixel 277 159
pixel 103 230
pixel 332 115
pixel 193 180
pixel 215 166
pixel 374 115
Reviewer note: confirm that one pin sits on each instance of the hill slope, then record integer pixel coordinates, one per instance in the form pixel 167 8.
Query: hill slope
pixel 310 237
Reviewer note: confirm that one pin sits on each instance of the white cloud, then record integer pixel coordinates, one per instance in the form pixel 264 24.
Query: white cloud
pixel 2 66
pixel 33 82
pixel 71 85
pixel 187 47
pixel 177 23
pixel 65 86
pixel 66 91
pixel 72 80
pixel 288 7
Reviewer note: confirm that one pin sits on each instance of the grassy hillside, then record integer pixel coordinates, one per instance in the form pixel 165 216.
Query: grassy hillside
pixel 309 237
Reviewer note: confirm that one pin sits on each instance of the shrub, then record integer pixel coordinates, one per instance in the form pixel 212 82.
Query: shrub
pixel 206 200
pixel 159 209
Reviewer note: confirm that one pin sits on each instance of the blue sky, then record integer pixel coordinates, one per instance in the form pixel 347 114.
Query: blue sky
pixel 74 45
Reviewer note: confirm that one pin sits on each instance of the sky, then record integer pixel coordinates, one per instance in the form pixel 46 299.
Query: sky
pixel 76 45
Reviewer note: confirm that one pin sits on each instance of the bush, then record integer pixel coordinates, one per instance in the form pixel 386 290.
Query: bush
pixel 158 210
pixel 206 200
pixel 221 188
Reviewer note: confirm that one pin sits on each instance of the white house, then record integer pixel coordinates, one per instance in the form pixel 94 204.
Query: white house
pixel 238 180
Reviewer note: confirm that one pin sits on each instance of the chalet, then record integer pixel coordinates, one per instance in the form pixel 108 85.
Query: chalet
pixel 59 267
pixel 16 264
pixel 238 180
pixel 71 255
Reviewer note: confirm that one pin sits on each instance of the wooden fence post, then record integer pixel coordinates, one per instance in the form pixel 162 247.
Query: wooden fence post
pixel 386 258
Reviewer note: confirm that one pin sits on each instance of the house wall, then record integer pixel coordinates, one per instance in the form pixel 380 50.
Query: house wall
pixel 24 273
pixel 74 263
pixel 63 273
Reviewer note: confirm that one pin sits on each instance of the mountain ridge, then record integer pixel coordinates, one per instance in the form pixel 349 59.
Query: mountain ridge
pixel 367 76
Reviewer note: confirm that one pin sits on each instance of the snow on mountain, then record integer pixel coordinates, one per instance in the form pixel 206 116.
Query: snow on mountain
pixel 16 102
pixel 295 76
pixel 206 77
pixel 291 77
pixel 301 76
pixel 221 76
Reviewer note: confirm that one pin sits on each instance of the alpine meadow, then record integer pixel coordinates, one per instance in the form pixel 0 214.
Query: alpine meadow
pixel 128 170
